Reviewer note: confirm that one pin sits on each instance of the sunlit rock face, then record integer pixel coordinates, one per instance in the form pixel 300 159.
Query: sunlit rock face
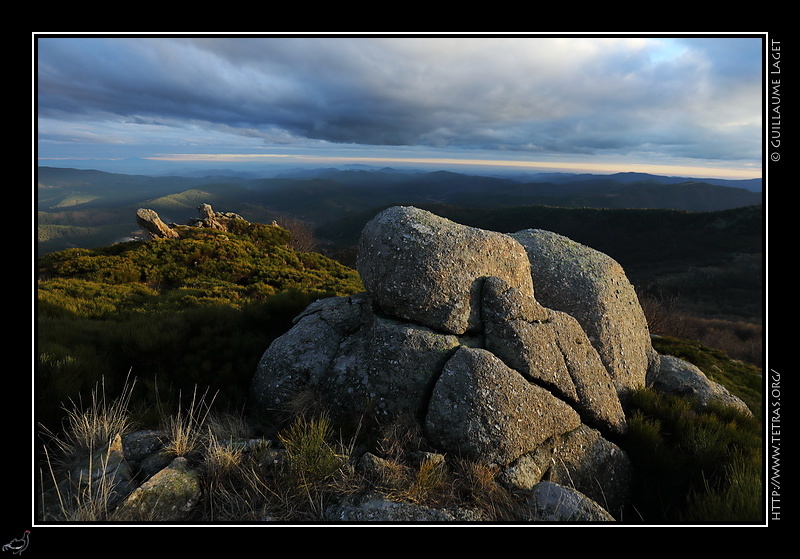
pixel 593 288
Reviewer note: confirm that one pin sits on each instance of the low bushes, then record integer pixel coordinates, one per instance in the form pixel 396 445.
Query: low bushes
pixel 693 466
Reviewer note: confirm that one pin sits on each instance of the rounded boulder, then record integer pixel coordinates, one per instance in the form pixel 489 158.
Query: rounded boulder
pixel 430 270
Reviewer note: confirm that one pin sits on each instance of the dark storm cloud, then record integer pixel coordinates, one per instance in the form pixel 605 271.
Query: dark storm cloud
pixel 693 98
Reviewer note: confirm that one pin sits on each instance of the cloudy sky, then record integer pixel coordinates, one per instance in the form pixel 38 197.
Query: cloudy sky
pixel 682 106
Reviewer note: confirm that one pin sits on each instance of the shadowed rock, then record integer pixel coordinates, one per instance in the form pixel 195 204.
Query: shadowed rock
pixel 551 502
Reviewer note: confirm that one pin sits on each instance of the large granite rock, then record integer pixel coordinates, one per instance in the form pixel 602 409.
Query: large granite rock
pixel 593 288
pixel 483 410
pixel 449 332
pixel 551 349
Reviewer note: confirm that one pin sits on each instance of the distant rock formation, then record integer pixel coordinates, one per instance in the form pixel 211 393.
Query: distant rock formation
pixel 213 220
pixel 208 218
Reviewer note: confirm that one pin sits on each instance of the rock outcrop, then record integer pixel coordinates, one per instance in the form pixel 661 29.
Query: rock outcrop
pixel 426 269
pixel 449 331
pixel 152 224
pixel 208 218
pixel 514 351
pixel 483 410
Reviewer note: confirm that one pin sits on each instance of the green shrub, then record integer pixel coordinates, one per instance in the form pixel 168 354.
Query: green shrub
pixel 741 497
pixel 310 455
pixel 693 465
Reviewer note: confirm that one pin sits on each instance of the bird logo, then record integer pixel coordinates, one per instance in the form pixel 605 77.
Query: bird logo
pixel 18 545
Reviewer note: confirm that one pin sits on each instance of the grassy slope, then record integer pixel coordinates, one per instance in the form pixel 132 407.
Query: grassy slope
pixel 199 310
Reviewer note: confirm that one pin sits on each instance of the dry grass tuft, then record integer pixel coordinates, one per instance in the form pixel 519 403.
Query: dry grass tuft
pixel 81 473
pixel 477 485
pixel 186 428
pixel 95 426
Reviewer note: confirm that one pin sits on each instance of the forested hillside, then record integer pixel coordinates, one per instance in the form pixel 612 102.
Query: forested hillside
pixel 77 208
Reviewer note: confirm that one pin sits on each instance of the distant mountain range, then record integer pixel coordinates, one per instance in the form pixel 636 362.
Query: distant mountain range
pixel 755 185
pixel 91 208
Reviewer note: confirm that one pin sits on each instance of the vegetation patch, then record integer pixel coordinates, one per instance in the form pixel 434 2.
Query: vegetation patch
pixel 176 313
pixel 199 311
pixel 693 466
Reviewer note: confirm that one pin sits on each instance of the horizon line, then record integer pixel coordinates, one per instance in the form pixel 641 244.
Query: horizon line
pixel 679 170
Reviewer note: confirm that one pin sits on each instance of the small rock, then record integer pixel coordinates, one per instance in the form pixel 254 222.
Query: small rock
pixel 377 508
pixel 167 496
pixel 681 378
pixel 551 502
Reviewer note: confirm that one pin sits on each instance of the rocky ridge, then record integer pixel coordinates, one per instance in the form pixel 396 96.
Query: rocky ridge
pixel 515 351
